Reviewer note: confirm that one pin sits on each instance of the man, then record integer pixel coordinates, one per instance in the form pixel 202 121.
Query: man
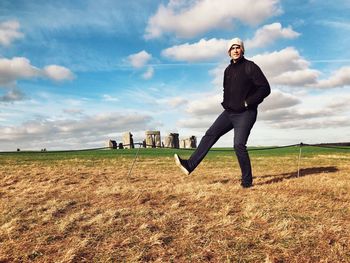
pixel 245 87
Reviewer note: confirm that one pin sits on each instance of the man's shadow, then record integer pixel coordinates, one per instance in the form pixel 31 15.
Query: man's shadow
pixel 303 172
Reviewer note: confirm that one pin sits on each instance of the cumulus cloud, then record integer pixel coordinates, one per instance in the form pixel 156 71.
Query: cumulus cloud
pixel 330 111
pixel 286 67
pixel 277 62
pixel 57 73
pixel 17 68
pixel 268 34
pixel 13 95
pixel 196 17
pixel 9 32
pixel 200 51
pixel 139 59
pixel 339 78
pixel 279 100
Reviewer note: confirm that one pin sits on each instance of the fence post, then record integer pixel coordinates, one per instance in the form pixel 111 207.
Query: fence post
pixel 300 146
pixel 133 163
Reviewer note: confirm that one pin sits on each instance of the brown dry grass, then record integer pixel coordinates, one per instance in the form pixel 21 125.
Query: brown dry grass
pixel 91 211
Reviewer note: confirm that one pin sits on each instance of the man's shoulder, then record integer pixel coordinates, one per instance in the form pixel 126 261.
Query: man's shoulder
pixel 249 62
pixel 249 66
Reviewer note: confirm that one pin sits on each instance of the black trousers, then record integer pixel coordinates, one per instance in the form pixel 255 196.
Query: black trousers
pixel 242 123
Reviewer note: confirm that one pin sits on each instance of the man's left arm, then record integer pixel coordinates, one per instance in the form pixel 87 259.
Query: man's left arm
pixel 262 87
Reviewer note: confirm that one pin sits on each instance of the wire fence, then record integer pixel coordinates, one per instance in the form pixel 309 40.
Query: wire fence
pixel 320 145
pixel 339 146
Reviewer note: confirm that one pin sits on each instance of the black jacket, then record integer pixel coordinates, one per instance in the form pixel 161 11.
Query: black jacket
pixel 244 82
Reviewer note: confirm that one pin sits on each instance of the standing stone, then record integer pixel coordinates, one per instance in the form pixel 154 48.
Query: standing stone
pixel 193 140
pixel 190 142
pixel 187 143
pixel 158 141
pixel 172 141
pixel 149 140
pixel 182 143
pixel 112 144
pixel 168 141
pixel 176 141
pixel 153 139
pixel 128 141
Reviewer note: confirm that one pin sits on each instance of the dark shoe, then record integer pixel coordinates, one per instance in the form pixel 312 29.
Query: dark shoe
pixel 182 164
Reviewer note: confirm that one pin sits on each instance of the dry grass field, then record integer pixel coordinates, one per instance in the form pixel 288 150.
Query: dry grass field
pixel 76 209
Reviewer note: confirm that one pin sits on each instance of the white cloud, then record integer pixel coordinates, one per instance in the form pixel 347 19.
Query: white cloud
pixel 202 50
pixel 17 68
pixel 330 111
pixel 268 34
pixel 301 77
pixel 286 67
pixel 58 73
pixel 148 74
pixel 205 104
pixel 279 100
pixel 139 59
pixel 339 78
pixel 9 32
pixel 278 62
pixel 201 16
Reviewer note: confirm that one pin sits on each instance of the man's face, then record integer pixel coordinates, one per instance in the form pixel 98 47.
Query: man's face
pixel 236 52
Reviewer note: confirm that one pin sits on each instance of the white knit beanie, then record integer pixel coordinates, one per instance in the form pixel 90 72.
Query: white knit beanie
pixel 235 41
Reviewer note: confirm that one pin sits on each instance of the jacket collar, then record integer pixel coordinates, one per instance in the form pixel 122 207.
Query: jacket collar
pixel 238 61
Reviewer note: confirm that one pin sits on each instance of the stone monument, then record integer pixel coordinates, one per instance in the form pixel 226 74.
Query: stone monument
pixel 112 144
pixel 128 141
pixel 172 141
pixel 190 142
pixel 153 139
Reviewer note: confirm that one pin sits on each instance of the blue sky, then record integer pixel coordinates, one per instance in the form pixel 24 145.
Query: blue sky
pixel 74 74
